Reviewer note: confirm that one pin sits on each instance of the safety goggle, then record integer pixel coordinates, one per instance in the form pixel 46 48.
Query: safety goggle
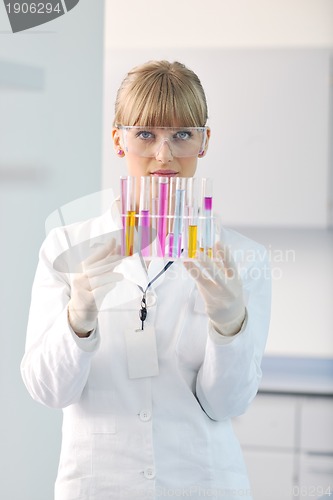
pixel 148 141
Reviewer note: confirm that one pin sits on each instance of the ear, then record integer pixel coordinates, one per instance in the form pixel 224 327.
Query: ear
pixel 117 145
pixel 204 151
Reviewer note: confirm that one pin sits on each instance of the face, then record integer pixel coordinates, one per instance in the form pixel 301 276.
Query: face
pixel 162 162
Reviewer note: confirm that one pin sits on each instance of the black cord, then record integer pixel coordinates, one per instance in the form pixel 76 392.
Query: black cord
pixel 143 310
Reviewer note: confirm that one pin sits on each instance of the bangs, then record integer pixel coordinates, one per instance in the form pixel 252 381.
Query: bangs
pixel 160 100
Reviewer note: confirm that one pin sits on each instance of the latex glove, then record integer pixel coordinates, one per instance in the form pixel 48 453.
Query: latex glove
pixel 222 290
pixel 90 287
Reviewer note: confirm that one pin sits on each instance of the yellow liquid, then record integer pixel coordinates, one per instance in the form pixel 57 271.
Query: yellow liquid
pixel 209 252
pixel 130 225
pixel 192 241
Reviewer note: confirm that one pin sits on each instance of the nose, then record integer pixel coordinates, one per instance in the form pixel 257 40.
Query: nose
pixel 164 153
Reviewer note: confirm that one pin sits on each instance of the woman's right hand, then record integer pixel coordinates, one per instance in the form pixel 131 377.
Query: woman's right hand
pixel 90 287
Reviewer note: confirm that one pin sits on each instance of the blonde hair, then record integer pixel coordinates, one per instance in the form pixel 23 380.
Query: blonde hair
pixel 160 93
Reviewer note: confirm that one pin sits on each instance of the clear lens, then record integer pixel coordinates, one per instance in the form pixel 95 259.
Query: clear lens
pixel 148 141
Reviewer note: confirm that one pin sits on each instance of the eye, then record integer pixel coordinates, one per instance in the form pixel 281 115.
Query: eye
pixel 183 135
pixel 145 135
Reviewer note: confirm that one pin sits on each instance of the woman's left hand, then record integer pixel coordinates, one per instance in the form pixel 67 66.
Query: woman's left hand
pixel 221 288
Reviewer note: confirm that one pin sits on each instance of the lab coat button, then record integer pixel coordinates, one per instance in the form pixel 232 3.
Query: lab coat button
pixel 150 299
pixel 145 415
pixel 149 472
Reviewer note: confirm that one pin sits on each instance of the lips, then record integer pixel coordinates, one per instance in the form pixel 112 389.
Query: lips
pixel 161 173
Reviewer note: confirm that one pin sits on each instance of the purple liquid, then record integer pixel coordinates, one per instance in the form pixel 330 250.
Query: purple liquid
pixel 162 220
pixel 145 233
pixel 208 203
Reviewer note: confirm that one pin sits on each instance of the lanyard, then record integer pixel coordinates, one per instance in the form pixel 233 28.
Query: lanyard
pixel 143 309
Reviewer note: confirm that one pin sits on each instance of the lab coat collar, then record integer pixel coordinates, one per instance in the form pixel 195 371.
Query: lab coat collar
pixel 134 269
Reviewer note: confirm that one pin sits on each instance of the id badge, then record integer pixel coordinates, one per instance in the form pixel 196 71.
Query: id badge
pixel 142 360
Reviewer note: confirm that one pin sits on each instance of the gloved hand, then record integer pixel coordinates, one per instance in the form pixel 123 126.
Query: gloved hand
pixel 90 287
pixel 221 288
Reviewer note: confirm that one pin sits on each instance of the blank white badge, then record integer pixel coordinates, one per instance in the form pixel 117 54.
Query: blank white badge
pixel 142 360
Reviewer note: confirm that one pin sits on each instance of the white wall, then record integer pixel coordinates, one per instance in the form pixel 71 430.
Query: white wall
pixel 219 23
pixel 50 153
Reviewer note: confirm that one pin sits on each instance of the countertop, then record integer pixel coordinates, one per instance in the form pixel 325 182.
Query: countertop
pixel 297 375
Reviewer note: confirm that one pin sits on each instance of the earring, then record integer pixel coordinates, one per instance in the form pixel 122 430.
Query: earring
pixel 201 153
pixel 120 152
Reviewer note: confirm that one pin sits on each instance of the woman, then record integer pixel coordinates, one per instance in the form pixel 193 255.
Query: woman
pixel 149 416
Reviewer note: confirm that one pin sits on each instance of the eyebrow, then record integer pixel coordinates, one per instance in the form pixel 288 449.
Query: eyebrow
pixel 151 127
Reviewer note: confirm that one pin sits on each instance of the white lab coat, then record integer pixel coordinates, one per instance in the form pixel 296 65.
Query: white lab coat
pixel 166 436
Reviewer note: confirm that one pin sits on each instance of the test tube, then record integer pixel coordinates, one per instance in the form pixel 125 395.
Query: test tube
pixel 130 215
pixel 179 215
pixel 123 208
pixel 191 217
pixel 163 188
pixel 144 217
pixel 171 211
pixel 207 219
pixel 153 213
